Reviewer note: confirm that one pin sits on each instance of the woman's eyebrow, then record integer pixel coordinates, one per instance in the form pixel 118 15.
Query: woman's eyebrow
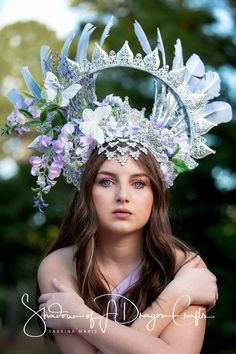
pixel 113 174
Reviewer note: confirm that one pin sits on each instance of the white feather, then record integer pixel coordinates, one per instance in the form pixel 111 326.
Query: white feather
pixel 82 47
pixel 210 85
pixel 218 112
pixel 140 34
pixel 160 46
pixel 178 59
pixel 106 31
pixel 195 67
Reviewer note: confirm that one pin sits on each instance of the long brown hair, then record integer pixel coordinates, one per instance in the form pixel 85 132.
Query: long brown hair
pixel 80 227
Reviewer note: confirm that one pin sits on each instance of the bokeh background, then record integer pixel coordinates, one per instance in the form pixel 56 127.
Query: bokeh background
pixel 203 203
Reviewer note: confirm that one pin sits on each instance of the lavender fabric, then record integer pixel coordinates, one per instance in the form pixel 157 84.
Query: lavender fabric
pixel 126 283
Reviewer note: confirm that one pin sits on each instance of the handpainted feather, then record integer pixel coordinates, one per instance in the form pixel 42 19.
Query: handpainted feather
pixel 140 34
pixel 106 31
pixel 43 57
pixel 66 46
pixel 15 98
pixel 31 83
pixel 82 48
pixel 160 46
pixel 178 59
pixel 218 112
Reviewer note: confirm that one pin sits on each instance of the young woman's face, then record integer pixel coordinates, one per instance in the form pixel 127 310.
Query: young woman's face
pixel 122 196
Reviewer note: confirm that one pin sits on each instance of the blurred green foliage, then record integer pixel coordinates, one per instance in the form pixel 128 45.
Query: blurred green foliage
pixel 202 214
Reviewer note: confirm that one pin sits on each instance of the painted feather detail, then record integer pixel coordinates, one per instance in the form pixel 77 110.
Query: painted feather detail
pixel 106 31
pixel 82 48
pixel 210 85
pixel 195 67
pixel 140 34
pixel 31 83
pixel 178 59
pixel 66 47
pixel 160 46
pixel 43 57
pixel 218 112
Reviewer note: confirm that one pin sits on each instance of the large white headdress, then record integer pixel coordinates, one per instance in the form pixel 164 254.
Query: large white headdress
pixel 72 123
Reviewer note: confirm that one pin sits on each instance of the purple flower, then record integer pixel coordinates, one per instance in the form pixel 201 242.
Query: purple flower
pixel 39 203
pixel 115 130
pixel 41 181
pixel 54 171
pixel 132 131
pixel 86 141
pixel 110 100
pixel 59 145
pixel 35 112
pixel 16 117
pixel 36 163
pixel 59 160
pixel 35 160
pixel 45 140
pixel 68 129
pixel 22 129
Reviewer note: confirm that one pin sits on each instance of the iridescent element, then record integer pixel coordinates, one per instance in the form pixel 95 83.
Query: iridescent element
pixel 72 123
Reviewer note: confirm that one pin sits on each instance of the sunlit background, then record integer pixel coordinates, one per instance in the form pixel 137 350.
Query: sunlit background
pixel 203 203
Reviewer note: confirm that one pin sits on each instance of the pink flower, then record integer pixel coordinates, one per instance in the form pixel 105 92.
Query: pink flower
pixel 54 171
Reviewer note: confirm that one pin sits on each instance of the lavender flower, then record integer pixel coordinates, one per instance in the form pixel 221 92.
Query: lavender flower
pixel 67 130
pixel 36 163
pixel 45 140
pixel 110 100
pixel 54 171
pixel 39 203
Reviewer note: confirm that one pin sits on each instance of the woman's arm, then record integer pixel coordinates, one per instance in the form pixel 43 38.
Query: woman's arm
pixel 49 268
pixel 166 326
pixel 194 280
pixel 111 337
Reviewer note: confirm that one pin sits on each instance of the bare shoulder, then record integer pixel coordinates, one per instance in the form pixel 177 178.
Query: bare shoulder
pixel 58 264
pixel 181 258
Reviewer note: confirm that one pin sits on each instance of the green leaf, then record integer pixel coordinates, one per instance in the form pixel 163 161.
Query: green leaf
pixel 58 119
pixel 33 123
pixel 79 163
pixel 180 165
pixel 44 94
pixel 50 108
pixel 176 151
pixel 35 189
pixel 6 130
pixel 39 104
pixel 88 107
pixel 59 98
pixel 27 94
pixel 25 113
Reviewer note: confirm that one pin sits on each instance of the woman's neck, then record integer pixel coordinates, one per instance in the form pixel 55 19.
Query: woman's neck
pixel 119 250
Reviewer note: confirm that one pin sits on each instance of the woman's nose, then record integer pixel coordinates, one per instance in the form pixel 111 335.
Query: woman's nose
pixel 122 194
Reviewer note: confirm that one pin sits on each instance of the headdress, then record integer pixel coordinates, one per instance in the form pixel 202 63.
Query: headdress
pixel 71 122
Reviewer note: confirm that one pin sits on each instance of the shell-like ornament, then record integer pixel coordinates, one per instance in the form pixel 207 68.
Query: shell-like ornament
pixel 99 56
pixel 200 149
pixel 202 126
pixel 152 59
pixel 195 100
pixel 176 76
pixel 125 54
pixel 74 66
pixel 36 146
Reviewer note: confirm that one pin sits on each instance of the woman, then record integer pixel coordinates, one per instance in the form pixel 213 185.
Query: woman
pixel 117 222
pixel 115 254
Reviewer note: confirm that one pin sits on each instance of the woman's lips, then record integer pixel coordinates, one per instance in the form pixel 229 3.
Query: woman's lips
pixel 122 214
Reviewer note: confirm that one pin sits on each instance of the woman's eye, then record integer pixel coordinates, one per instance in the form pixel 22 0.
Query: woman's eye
pixel 106 182
pixel 139 184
